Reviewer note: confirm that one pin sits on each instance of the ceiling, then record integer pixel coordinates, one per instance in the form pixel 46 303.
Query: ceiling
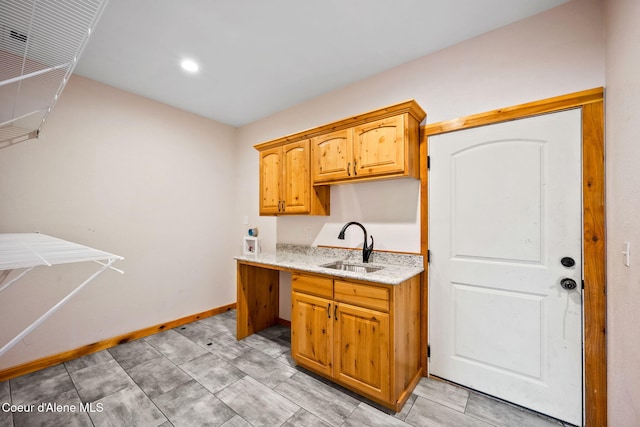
pixel 258 57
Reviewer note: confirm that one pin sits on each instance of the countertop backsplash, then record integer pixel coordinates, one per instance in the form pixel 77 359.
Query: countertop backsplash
pixel 352 255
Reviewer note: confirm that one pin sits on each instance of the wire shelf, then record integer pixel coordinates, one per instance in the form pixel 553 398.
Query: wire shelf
pixel 40 44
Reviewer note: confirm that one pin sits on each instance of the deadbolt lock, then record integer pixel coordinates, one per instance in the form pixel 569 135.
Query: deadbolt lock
pixel 568 284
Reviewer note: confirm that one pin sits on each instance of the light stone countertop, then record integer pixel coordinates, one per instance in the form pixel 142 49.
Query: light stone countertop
pixel 395 268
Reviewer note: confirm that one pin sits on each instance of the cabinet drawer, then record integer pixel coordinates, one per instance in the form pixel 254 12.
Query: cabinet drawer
pixel 314 285
pixel 361 295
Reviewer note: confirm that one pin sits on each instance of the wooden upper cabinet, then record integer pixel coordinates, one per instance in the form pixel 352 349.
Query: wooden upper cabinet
pixel 379 147
pixel 285 182
pixel 296 177
pixel 332 155
pixel 384 145
pixel 296 170
pixel 270 178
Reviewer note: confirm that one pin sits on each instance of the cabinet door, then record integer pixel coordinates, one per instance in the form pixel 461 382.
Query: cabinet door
pixel 296 177
pixel 332 155
pixel 379 147
pixel 361 350
pixel 312 332
pixel 270 178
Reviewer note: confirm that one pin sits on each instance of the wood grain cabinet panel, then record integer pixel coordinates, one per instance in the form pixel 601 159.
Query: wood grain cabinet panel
pixel 296 176
pixel 379 147
pixel 257 291
pixel 375 297
pixel 313 285
pixel 312 338
pixel 332 156
pixel 362 350
pixel 270 178
pixel 285 182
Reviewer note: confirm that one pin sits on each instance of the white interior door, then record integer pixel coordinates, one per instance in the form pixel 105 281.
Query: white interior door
pixel 504 210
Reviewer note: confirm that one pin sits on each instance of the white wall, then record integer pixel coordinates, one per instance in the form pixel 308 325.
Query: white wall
pixel 131 176
pixel 557 52
pixel 623 209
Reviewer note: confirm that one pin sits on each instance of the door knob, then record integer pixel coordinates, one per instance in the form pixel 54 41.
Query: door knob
pixel 568 284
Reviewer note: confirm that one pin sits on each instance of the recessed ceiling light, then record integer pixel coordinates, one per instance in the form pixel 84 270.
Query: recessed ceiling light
pixel 189 65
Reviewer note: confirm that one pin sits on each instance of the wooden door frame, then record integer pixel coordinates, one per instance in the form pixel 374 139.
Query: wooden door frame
pixel 591 102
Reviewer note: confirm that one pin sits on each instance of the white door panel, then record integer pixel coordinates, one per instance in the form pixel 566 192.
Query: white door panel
pixel 514 167
pixel 504 209
pixel 518 318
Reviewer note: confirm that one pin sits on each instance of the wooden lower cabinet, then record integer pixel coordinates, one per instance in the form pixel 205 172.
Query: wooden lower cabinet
pixel 361 350
pixel 361 335
pixel 312 340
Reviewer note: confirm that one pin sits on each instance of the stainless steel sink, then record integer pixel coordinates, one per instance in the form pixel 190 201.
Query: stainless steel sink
pixel 345 266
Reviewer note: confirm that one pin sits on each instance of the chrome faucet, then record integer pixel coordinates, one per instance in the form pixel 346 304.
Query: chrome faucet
pixel 366 250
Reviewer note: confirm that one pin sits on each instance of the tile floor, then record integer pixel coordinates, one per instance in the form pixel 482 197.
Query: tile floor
pixel 200 375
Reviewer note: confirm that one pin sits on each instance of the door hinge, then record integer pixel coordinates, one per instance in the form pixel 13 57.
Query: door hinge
pixel 428 257
pixel 583 284
pixel 428 350
pixel 428 162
